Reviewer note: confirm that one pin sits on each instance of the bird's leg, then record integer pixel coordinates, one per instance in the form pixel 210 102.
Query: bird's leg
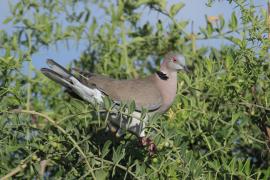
pixel 111 127
pixel 120 133
pixel 147 142
pixel 115 130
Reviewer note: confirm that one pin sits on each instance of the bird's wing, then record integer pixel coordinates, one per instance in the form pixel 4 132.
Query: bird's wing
pixel 143 92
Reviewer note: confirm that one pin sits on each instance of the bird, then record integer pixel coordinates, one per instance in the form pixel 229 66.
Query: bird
pixel 154 93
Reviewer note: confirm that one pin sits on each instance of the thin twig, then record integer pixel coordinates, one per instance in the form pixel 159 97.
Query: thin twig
pixel 255 105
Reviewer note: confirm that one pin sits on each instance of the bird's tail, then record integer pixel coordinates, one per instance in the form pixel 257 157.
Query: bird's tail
pixel 58 74
pixel 74 86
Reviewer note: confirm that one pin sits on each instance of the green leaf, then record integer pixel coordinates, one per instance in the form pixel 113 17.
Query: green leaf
pixel 232 165
pixel 93 27
pixel 161 4
pixel 204 32
pixel 209 28
pixel 228 61
pixel 101 174
pixel 107 103
pixel 138 39
pixel 235 40
pixel 105 149
pixel 118 154
pixel 27 22
pixel 175 8
pixel 235 117
pixel 247 167
pixel 80 16
pixel 215 165
pixel 131 107
pixel 209 65
pixel 182 24
pixel 87 15
pixel 7 20
pixel 221 22
pixel 233 22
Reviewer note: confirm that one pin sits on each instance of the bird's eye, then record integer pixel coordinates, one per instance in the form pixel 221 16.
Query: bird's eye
pixel 174 59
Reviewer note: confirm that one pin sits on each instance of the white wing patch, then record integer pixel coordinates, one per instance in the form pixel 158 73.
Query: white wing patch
pixel 88 94
pixel 133 124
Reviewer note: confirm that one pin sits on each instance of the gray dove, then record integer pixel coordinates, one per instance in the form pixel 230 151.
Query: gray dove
pixel 154 93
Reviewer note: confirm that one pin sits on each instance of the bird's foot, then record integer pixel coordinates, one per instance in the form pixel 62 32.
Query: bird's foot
pixel 111 127
pixel 149 144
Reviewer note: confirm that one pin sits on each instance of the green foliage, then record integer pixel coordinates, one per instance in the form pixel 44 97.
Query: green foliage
pixel 218 127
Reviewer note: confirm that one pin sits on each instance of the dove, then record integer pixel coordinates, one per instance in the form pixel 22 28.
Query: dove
pixel 154 93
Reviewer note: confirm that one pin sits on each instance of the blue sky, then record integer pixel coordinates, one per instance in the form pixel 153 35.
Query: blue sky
pixel 194 10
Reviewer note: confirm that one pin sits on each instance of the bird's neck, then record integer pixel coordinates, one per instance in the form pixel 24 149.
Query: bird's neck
pixel 167 86
pixel 162 75
pixel 166 74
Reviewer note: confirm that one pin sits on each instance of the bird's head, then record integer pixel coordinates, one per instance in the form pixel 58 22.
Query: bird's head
pixel 174 62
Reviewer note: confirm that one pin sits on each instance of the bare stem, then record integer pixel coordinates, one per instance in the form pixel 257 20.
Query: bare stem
pixel 29 87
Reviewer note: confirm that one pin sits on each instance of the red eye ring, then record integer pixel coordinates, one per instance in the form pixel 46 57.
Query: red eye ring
pixel 174 59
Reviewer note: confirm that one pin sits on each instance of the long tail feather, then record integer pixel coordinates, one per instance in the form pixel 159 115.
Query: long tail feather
pixel 58 68
pixel 52 74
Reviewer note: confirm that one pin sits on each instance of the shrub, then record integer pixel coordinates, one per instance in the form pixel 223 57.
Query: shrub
pixel 217 128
